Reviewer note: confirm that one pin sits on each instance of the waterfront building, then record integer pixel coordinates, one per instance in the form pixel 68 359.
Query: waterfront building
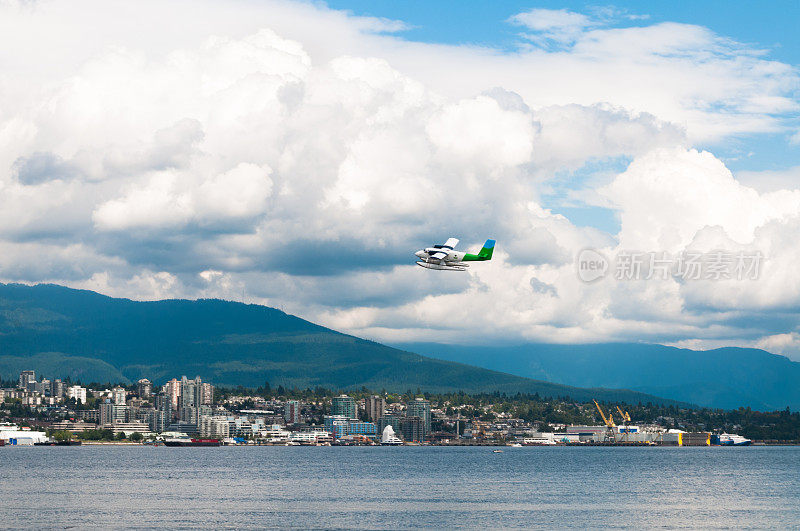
pixel 345 406
pixel 292 412
pixel 375 407
pixel 128 428
pixel 74 427
pixel 389 420
pixel 77 392
pixel 588 433
pixel 144 388
pixel 420 408
pixel 118 396
pixel 189 428
pixel 25 378
pixel 214 427
pixel 362 428
pixel 413 429
pixel 316 436
pixel 13 435
pixel 338 425
pixel 275 433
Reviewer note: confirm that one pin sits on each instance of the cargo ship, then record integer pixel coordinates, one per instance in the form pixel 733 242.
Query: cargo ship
pixel 186 441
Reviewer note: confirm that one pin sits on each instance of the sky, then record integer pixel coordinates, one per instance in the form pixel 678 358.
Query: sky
pixel 297 154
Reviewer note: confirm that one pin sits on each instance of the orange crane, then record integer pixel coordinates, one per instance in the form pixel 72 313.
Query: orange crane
pixel 609 422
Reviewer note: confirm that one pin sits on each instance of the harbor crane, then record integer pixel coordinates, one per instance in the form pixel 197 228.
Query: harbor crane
pixel 626 418
pixel 609 420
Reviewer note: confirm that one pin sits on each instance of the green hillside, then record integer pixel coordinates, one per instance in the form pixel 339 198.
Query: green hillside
pixel 93 337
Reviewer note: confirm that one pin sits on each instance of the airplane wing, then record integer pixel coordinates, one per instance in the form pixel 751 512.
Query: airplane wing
pixel 438 255
pixel 451 243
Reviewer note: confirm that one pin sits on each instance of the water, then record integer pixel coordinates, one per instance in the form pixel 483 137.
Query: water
pixel 405 487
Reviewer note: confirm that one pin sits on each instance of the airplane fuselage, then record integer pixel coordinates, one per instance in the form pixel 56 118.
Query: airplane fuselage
pixel 452 256
pixel 446 258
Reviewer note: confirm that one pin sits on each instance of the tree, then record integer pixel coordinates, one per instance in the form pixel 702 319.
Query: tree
pixel 136 437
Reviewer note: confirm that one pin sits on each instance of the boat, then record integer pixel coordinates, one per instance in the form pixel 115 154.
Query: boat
pixel 497 451
pixel 730 439
pixel 388 438
pixel 515 445
pixel 187 441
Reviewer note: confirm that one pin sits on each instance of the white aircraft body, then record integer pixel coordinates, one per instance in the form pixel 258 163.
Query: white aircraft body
pixel 445 257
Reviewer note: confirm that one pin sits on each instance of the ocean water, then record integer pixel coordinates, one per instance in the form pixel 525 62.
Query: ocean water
pixel 403 487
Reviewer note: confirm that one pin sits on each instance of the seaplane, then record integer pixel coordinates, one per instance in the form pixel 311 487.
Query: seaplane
pixel 446 258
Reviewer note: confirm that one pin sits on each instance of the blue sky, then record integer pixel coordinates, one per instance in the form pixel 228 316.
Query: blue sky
pixel 771 26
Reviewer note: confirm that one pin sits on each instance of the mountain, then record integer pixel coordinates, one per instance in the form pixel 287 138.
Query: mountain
pixel 59 331
pixel 725 378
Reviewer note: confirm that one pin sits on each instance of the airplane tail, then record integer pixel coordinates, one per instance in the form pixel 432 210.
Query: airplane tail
pixel 487 249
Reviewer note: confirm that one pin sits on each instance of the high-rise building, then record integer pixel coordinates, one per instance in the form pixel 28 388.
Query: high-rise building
pixel 193 395
pixel 345 406
pixel 375 406
pixel 158 420
pixel 118 396
pixel 188 414
pixel 205 393
pixel 43 387
pixel 173 391
pixel 57 388
pixel 163 402
pixel 412 429
pixel 111 413
pixel 389 420
pixel 144 388
pixel 26 377
pixel 420 408
pixel 77 392
pixel 292 412
pixel 188 393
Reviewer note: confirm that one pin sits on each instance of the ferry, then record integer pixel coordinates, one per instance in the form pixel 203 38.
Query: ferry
pixel 730 439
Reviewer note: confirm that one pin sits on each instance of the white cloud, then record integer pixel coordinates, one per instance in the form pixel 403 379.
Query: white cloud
pixel 559 25
pixel 292 155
